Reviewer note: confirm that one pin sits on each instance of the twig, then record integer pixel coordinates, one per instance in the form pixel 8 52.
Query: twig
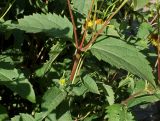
pixel 152 21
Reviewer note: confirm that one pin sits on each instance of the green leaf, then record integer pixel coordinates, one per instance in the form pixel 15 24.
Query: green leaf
pixel 90 84
pixel 117 112
pixel 124 82
pixel 111 31
pixel 3 113
pixel 110 94
pixel 91 118
pixel 143 100
pixel 79 90
pixel 82 6
pixel 53 54
pixel 122 55
pixel 15 80
pixel 51 99
pixel 52 24
pixel 144 30
pixel 23 117
pixel 138 4
pixel 62 113
pixel 65 117
pixel 139 86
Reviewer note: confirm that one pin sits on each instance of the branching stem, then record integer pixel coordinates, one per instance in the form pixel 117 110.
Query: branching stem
pixel 80 48
pixel 104 25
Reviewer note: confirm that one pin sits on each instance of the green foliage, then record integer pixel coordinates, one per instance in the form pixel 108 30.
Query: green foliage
pixel 118 112
pixel 23 117
pixel 15 80
pixel 52 24
pixel 109 94
pixel 144 30
pixel 138 4
pixel 53 54
pixel 51 99
pixel 90 84
pixel 82 6
pixel 121 55
pixel 77 62
pixel 3 113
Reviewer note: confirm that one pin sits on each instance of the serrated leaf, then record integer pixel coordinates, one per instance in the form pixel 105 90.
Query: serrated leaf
pixel 138 4
pixel 51 99
pixel 53 54
pixel 90 84
pixel 23 117
pixel 82 6
pixel 51 24
pixel 117 112
pixel 64 117
pixel 118 53
pixel 15 80
pixel 144 30
pixel 110 94
pixel 124 82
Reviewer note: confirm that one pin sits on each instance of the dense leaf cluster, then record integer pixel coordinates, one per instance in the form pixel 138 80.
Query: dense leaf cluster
pixel 47 76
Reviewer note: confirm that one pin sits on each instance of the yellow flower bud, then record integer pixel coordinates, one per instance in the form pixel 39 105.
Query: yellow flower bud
pixel 62 82
pixel 89 24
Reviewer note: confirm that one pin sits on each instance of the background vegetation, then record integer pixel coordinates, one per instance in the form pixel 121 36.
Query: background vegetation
pixel 78 60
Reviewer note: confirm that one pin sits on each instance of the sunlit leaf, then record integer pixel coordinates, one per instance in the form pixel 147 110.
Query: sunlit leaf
pixel 51 24
pixel 15 80
pixel 90 84
pixel 122 55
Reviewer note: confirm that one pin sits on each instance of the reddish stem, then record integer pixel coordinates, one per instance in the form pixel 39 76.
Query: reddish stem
pixel 74 26
pixel 85 31
pixel 84 36
pixel 95 36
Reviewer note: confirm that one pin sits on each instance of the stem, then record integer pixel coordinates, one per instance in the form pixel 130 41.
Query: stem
pixel 75 65
pixel 131 97
pixel 7 8
pixel 74 26
pixel 85 31
pixel 78 57
pixel 104 25
pixel 152 21
pixel 79 65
